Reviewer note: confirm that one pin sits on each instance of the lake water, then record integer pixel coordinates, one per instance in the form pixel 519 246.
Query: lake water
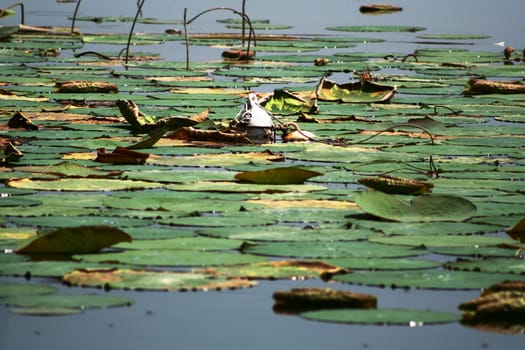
pixel 244 319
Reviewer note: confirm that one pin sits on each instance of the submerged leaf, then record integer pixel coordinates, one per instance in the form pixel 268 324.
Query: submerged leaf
pixel 74 240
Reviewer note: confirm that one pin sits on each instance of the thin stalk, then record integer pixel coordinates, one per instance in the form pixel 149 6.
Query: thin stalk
pixel 244 16
pixel 243 21
pixel 139 10
pixel 186 39
pixel 75 16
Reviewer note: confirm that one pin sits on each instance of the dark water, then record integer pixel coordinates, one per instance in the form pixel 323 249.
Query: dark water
pixel 244 319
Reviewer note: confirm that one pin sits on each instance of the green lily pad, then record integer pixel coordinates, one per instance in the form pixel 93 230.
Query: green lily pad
pixel 443 240
pixel 404 317
pixel 492 265
pixel 426 279
pixel 383 263
pixel 479 251
pixel 424 208
pixel 172 258
pixel 81 302
pixel 74 240
pixel 286 233
pixel 184 243
pixel 332 250
pixel 15 289
pixel 151 280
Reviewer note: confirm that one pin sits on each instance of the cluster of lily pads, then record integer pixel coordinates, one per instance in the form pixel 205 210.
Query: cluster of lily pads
pixel 211 215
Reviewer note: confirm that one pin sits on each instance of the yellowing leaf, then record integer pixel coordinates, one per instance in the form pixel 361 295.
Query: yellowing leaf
pixel 277 176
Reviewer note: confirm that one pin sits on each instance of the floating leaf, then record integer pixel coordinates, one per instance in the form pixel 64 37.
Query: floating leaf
pixel 426 279
pixel 442 240
pixel 67 301
pixel 87 185
pixel 405 317
pixel 151 280
pixel 425 208
pixel 358 92
pixel 74 240
pixel 17 289
pixel 277 176
pixel 392 28
pixel 493 265
pixel 396 185
pixel 283 269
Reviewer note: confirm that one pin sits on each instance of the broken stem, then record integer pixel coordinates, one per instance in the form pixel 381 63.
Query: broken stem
pixel 22 14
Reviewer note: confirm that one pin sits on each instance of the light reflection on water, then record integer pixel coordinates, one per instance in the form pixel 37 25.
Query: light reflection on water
pixel 243 319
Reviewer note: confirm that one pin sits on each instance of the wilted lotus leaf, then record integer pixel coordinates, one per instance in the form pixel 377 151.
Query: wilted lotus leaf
pixel 425 208
pixel 72 184
pixel 396 185
pixel 298 300
pixel 277 176
pixel 79 86
pixel 482 86
pixel 379 8
pixel 358 92
pixel 284 269
pixel 517 231
pixel 121 155
pixel 151 280
pixel 403 317
pixel 500 309
pixel 74 240
pixel 284 102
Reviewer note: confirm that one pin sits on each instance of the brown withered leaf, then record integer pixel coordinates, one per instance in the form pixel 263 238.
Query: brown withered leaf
pixel 81 86
pixel 298 300
pixel 121 155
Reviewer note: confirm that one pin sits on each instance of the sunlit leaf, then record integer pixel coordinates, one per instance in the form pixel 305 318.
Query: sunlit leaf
pixel 426 208
pixel 277 176
pixel 151 280
pixel 403 317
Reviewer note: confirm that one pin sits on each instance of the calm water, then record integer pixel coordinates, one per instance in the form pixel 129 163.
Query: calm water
pixel 244 319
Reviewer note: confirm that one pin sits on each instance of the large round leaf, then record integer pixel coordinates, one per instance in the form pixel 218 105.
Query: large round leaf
pixel 332 250
pixel 67 301
pixel 425 208
pixel 405 317
pixel 83 185
pixel 427 279
pixel 17 289
pixel 151 280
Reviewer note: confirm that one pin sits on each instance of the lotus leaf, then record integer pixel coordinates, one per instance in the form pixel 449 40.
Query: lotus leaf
pixel 492 265
pixel 151 280
pixel 383 263
pixel 74 240
pixel 442 240
pixel 426 279
pixel 184 243
pixel 392 28
pixel 81 302
pixel 167 257
pixel 425 208
pixel 283 269
pixel 15 289
pixel 406 317
pixel 86 185
pixel 332 250
pixel 277 176
pixel 359 92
